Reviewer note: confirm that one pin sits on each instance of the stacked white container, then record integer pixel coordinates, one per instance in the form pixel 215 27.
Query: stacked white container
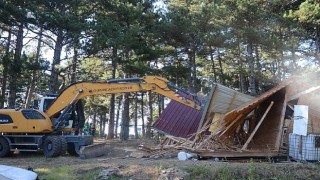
pixel 304 148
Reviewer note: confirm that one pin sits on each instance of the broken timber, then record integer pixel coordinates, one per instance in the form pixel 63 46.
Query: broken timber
pixel 267 118
pixel 256 128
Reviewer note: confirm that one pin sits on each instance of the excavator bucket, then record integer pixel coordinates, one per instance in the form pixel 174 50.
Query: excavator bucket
pixel 93 150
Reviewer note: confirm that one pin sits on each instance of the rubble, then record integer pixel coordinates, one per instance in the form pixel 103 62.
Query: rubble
pixel 236 125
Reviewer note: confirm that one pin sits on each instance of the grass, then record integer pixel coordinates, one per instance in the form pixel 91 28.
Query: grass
pixel 51 169
pixel 223 173
pixel 199 172
pixel 65 173
pixel 160 167
pixel 251 173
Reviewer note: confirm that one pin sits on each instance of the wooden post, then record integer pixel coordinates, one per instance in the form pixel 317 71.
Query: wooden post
pixel 257 127
pixel 279 138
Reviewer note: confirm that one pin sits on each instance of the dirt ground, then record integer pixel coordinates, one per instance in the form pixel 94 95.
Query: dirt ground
pixel 118 156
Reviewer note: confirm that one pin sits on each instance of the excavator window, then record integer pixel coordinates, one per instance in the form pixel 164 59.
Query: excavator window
pixel 5 119
pixel 47 103
pixel 32 114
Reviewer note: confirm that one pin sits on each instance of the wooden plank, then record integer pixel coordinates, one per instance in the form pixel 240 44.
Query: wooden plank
pixel 232 154
pixel 290 106
pixel 231 124
pixel 199 133
pixel 205 112
pixel 280 130
pixel 257 127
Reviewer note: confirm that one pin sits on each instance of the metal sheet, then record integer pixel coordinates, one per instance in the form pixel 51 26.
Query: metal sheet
pixel 178 120
pixel 300 123
pixel 222 100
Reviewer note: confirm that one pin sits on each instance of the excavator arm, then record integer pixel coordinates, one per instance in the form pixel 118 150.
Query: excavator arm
pixel 79 90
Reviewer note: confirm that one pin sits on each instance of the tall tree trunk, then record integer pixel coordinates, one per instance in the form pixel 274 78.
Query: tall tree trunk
pixel 212 64
pixel 259 75
pixel 136 135
pixel 15 70
pixel 294 66
pixel 283 67
pixel 192 73
pixel 103 121
pixel 56 61
pixel 220 67
pixel 252 86
pixel 125 119
pixel 74 62
pixel 160 103
pixel 317 42
pixel 94 119
pixel 5 64
pixel 142 117
pixel 111 129
pixel 150 118
pixel 243 87
pixel 117 117
pixel 35 71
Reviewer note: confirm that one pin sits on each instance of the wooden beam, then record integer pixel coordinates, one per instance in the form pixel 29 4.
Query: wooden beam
pixel 230 125
pixel 246 154
pixel 257 127
pixel 280 130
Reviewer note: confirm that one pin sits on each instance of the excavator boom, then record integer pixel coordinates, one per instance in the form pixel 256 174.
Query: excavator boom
pixel 156 84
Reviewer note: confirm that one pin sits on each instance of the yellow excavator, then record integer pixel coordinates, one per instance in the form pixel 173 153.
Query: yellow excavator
pixel 53 127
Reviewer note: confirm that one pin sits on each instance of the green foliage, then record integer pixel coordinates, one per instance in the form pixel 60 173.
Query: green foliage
pixel 224 173
pixel 93 174
pixel 251 173
pixel 66 172
pixel 199 172
pixel 308 13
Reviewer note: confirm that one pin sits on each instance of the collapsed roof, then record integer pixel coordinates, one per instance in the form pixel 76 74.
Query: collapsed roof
pixel 255 126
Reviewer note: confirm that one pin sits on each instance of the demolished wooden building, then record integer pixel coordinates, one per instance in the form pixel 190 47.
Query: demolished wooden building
pixel 253 127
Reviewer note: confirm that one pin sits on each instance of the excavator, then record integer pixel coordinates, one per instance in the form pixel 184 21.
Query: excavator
pixel 53 128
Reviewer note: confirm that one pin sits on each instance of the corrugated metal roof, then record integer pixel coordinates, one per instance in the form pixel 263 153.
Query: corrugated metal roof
pixel 243 110
pixel 178 120
pixel 221 100
pixel 225 99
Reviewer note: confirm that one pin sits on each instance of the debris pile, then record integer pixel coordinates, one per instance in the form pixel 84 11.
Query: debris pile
pixel 237 125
